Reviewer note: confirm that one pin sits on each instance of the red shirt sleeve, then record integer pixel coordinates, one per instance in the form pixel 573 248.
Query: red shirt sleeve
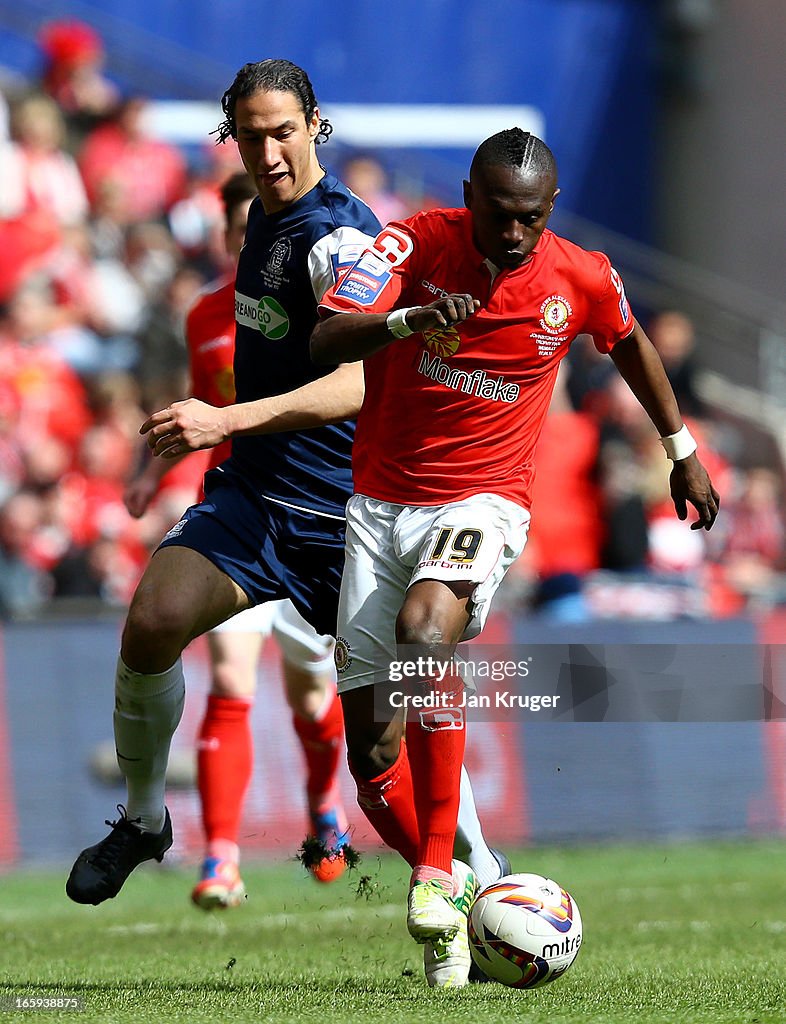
pixel 610 318
pixel 375 283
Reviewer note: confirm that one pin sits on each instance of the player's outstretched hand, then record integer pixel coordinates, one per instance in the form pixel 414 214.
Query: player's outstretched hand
pixel 451 309
pixel 186 426
pixel 690 482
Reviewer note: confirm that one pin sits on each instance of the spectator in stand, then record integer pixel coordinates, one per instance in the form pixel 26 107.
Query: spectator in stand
pixel 72 74
pixel 634 481
pixel 47 463
pixel 624 483
pixel 99 296
pixel 104 462
pixel 42 322
pixel 163 365
pixel 101 533
pixel 50 398
pixel 150 173
pixel 24 587
pixel 673 335
pixel 12 467
pixel 115 399
pixel 366 177
pixel 751 547
pixel 38 175
pixel 130 264
pixel 28 231
pixel 119 301
pixel 197 220
pixel 109 220
pixel 151 257
pixel 26 242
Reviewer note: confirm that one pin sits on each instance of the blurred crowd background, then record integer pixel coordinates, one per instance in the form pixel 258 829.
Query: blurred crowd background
pixel 107 235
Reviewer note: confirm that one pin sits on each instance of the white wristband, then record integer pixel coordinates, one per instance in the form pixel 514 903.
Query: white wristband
pixel 397 322
pixel 680 445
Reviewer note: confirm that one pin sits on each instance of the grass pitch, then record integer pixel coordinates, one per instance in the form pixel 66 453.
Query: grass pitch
pixel 673 934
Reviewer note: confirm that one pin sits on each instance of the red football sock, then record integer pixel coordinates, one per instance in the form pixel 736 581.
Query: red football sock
pixel 225 757
pixel 321 739
pixel 388 803
pixel 435 740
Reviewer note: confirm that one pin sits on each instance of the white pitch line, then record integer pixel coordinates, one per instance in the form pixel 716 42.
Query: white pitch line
pixel 278 921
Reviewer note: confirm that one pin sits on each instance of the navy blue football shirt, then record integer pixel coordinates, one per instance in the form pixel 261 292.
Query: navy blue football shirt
pixel 289 260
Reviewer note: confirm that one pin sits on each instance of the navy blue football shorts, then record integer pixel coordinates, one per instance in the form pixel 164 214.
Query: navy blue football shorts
pixel 270 550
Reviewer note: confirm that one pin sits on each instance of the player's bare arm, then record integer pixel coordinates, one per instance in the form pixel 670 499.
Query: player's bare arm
pixel 191 425
pixel 348 337
pixel 639 364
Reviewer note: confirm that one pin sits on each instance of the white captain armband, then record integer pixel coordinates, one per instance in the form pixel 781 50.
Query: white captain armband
pixel 397 322
pixel 680 445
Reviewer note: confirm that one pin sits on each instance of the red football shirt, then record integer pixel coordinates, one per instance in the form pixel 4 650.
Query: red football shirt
pixel 210 335
pixel 457 411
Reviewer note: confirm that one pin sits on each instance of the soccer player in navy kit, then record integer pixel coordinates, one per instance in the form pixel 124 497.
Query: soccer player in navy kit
pixel 272 522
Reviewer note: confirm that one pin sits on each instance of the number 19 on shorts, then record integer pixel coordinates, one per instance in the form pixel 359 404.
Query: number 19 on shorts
pixel 462 544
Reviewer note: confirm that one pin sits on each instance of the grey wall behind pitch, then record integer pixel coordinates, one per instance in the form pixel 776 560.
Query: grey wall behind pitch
pixel 535 781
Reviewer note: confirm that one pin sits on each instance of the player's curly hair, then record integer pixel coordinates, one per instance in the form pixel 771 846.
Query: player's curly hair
pixel 516 148
pixel 270 75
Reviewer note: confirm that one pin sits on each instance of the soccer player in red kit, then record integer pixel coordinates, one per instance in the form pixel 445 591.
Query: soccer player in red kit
pixel 485 303
pixel 225 745
pixel 272 522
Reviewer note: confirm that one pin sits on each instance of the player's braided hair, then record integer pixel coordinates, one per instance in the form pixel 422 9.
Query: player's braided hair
pixel 270 75
pixel 516 148
pixel 237 189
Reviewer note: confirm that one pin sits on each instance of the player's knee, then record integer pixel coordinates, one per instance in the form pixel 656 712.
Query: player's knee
pixel 232 680
pixel 310 701
pixel 419 628
pixel 370 760
pixel 153 637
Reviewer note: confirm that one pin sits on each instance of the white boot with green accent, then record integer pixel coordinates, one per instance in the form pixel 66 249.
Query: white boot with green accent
pixel 447 960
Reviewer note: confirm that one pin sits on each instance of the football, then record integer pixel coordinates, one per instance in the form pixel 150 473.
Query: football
pixel 524 930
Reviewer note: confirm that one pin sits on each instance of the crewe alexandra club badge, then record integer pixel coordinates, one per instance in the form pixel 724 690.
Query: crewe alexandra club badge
pixel 341 655
pixel 555 313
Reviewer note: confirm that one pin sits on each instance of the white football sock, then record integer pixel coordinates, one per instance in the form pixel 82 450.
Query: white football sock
pixel 147 712
pixel 470 846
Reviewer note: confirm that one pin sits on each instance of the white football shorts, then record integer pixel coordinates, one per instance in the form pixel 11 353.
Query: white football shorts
pixel 389 547
pixel 300 644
